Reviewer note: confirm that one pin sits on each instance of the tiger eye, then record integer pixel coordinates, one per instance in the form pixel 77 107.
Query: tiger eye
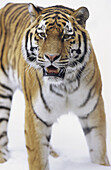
pixel 42 35
pixel 66 36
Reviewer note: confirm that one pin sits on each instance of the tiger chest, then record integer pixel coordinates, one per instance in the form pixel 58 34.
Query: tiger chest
pixel 55 100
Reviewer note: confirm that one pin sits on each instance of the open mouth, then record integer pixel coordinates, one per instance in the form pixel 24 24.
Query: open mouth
pixel 53 71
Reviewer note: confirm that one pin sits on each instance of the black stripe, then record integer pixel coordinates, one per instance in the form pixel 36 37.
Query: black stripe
pixel 79 38
pixel 31 48
pixel 26 42
pixel 85 42
pixel 64 23
pixel 6 87
pixel 63 7
pixel 61 11
pixel 29 149
pixel 47 18
pixel 32 58
pixel 88 97
pixel 5 151
pixel 40 28
pixel 80 60
pixel 41 94
pixel 94 106
pixel 59 25
pixel 51 24
pixel 25 86
pixel 75 29
pixel 78 76
pixel 3 119
pixel 5 108
pixel 48 138
pixel 6 97
pixel 5 144
pixel 49 15
pixel 45 123
pixel 46 23
pixel 3 47
pixel 84 117
pixel 87 130
pixel 52 90
pixel 87 116
pixel 46 144
pixel 92 76
pixel 3 134
pixel 78 51
pixel 56 12
pixel 65 17
pixel 73 42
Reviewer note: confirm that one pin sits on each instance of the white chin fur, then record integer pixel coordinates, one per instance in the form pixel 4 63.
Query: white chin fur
pixel 52 80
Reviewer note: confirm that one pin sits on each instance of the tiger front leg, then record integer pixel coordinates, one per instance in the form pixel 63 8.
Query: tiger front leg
pixel 94 128
pixel 6 94
pixel 37 135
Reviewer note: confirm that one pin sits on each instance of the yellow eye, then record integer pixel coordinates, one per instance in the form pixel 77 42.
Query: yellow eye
pixel 66 36
pixel 42 35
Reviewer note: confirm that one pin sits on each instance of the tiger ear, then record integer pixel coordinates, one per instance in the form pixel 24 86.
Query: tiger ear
pixel 34 11
pixel 81 15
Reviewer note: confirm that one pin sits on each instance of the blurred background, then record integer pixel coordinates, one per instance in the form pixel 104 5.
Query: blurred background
pixel 67 135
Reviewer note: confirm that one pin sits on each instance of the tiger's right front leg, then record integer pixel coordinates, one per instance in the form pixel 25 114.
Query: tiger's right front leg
pixel 37 134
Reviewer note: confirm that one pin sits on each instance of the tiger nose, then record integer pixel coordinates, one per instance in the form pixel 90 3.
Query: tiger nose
pixel 52 57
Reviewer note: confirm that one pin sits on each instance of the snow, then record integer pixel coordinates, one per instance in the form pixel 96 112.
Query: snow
pixel 67 137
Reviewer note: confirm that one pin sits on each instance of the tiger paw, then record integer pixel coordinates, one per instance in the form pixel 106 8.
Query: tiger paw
pixel 104 162
pixel 53 153
pixel 4 155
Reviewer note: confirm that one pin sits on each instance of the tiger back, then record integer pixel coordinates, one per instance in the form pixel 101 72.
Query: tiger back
pixel 47 53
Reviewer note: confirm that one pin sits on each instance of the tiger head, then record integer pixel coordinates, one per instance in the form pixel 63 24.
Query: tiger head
pixel 56 41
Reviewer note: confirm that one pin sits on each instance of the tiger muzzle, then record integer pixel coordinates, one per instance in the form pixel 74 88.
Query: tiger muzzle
pixel 52 69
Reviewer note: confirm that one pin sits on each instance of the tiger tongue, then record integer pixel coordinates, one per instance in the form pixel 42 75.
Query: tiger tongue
pixel 56 71
pixel 52 69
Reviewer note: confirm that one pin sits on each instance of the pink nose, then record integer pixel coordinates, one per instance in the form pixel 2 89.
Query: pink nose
pixel 52 57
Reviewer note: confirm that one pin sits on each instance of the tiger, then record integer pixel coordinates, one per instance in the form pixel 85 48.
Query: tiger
pixel 47 53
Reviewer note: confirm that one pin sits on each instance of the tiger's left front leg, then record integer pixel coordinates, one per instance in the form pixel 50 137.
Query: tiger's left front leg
pixel 94 128
pixel 37 134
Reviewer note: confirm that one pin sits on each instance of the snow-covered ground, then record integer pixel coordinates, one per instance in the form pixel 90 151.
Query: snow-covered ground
pixel 68 138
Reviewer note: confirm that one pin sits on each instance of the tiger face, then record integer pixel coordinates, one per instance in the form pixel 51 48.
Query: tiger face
pixel 57 42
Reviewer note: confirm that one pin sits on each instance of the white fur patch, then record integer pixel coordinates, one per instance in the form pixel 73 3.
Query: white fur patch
pixel 41 27
pixel 68 29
